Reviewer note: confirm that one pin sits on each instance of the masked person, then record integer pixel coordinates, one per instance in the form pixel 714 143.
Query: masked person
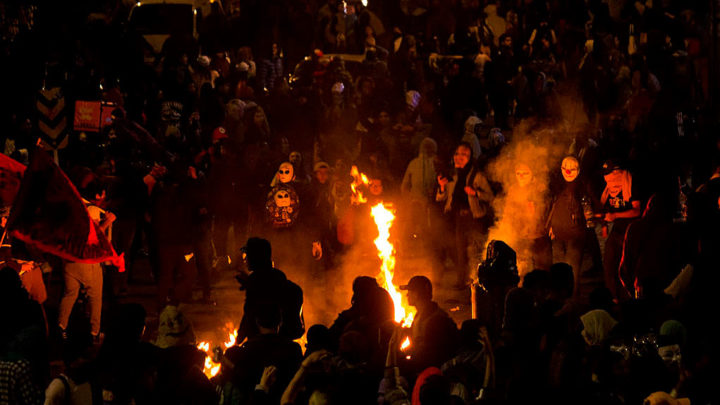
pixel 621 207
pixel 467 198
pixel 287 227
pixel 525 208
pixel 570 221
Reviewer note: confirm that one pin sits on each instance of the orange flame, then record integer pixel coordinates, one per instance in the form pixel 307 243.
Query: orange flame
pixel 210 368
pixel 359 180
pixel 384 219
pixel 405 344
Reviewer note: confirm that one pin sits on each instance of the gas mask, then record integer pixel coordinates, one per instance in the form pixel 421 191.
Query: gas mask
pixel 570 169
pixel 286 172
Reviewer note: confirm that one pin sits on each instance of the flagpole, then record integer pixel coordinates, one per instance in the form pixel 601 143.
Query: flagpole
pixel 3 235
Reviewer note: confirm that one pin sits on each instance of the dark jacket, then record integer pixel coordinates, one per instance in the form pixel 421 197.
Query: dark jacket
pixel 434 338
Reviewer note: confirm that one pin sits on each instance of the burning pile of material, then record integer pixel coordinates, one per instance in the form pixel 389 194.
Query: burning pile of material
pixel 211 368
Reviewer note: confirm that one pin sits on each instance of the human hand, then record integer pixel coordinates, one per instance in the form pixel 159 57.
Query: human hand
pixel 609 217
pixel 314 358
pixel 442 181
pixel 470 191
pixel 110 217
pixel 317 250
pixel 268 378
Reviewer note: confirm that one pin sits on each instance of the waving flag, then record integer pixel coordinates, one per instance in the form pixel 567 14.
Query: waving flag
pixel 49 214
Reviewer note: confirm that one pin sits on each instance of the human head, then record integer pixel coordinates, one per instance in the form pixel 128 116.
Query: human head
pixel 419 290
pixel 322 172
pixel 462 156
pixel 412 99
pixel 616 178
pixel 295 158
pixel 375 186
pixel 384 118
pixel 523 174
pixel 258 253
pixel 570 168
pixel 174 328
pixel 428 147
pixel 286 172
pixel 597 325
pixel 363 287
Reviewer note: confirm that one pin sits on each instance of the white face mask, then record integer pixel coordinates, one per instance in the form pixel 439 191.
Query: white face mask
pixel 282 198
pixel 523 175
pixel 286 172
pixel 570 169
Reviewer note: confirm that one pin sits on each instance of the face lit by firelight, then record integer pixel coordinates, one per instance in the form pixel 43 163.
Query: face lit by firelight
pixel 462 156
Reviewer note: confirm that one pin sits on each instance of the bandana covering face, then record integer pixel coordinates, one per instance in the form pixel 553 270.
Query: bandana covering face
pixel 282 206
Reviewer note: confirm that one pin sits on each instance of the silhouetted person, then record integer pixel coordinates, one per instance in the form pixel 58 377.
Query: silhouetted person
pixel 267 285
pixel 434 335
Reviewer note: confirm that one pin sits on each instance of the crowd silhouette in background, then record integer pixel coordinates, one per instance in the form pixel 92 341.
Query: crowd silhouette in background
pixel 561 158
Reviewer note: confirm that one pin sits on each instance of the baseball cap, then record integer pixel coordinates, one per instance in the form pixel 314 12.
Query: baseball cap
pixel 418 283
pixel 610 166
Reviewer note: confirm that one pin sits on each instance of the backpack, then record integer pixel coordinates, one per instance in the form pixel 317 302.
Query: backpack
pixel 291 306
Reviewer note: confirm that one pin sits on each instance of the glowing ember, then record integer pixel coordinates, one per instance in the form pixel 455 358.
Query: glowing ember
pixel 211 368
pixel 405 344
pixel 384 219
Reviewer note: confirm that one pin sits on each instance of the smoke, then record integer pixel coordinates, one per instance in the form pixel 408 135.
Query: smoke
pixel 521 210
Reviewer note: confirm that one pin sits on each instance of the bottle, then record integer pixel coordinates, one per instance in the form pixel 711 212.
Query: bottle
pixel 588 212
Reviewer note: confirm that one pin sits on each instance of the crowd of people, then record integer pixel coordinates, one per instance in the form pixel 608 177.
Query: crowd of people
pixel 557 157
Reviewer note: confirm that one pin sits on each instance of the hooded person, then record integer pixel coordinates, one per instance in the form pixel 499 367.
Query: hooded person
pixel 419 180
pixel 473 126
pixel 180 363
pixel 174 329
pixel 597 326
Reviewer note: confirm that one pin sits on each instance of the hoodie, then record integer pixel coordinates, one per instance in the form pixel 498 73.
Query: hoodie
pixel 470 137
pixel 420 176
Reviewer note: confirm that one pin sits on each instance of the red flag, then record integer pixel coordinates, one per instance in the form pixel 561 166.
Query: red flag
pixel 11 173
pixel 49 214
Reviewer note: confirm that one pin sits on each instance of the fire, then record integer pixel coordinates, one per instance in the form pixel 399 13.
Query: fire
pixel 405 344
pixel 359 180
pixel 384 219
pixel 211 368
